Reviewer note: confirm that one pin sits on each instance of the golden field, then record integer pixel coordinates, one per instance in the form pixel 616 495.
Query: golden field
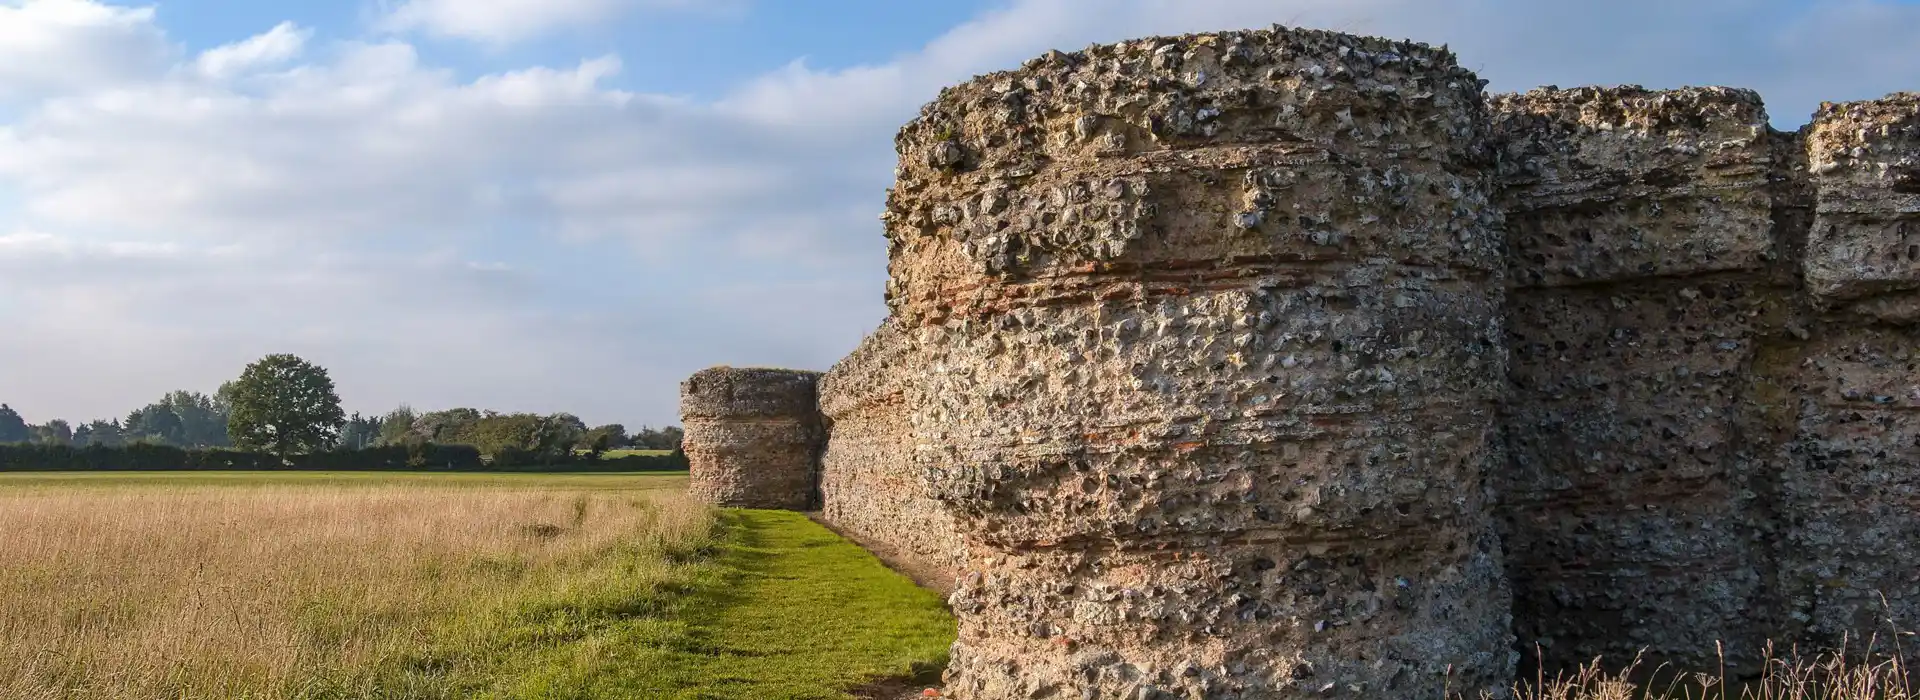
pixel 310 587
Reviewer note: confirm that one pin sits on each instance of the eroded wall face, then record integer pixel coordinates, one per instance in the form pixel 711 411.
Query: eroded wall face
pixel 1209 340
pixel 871 487
pixel 1846 401
pixel 753 437
pixel 1646 277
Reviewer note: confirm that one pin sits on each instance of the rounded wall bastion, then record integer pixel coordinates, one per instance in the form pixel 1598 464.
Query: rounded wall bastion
pixel 1209 333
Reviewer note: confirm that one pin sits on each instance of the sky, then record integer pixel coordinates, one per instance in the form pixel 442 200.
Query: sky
pixel 570 205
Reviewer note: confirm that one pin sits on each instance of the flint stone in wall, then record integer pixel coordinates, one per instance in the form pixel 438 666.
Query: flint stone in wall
pixel 753 436
pixel 1209 340
pixel 1845 424
pixel 870 485
pixel 1641 247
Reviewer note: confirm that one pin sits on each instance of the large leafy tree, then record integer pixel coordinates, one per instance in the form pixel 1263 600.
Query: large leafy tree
pixel 284 405
pixel 13 428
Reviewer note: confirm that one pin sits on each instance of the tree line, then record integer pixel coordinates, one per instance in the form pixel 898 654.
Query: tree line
pixel 283 405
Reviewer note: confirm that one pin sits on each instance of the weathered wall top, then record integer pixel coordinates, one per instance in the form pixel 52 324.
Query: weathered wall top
pixel 1170 92
pixel 742 392
pixel 1682 174
pixel 1066 161
pixel 1632 108
pixel 1865 243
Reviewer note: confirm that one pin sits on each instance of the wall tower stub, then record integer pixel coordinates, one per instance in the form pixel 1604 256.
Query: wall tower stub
pixel 753 437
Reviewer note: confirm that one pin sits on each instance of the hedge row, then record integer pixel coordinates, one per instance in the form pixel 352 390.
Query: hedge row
pixel 415 457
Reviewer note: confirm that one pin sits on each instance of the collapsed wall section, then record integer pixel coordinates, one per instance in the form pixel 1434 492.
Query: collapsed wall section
pixel 1846 399
pixel 1641 247
pixel 1209 338
pixel 753 436
pixel 870 486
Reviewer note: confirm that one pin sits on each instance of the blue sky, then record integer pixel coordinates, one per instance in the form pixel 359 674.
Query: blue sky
pixel 551 205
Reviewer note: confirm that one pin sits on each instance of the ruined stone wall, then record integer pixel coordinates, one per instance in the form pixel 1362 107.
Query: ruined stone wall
pixel 1845 400
pixel 1209 346
pixel 1712 434
pixel 870 487
pixel 1646 277
pixel 1208 356
pixel 753 436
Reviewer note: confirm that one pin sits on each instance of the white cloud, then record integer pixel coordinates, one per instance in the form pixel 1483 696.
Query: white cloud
pixel 279 45
pixel 507 21
pixel 49 46
pixel 529 238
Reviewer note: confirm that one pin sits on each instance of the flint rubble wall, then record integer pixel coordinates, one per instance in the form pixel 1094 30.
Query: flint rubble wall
pixel 1640 242
pixel 1845 399
pixel 1712 433
pixel 869 487
pixel 1213 370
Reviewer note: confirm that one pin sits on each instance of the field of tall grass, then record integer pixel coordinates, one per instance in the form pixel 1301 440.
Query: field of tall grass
pixel 355 589
pixel 399 586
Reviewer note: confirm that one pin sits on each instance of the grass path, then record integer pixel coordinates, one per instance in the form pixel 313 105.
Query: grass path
pixel 794 612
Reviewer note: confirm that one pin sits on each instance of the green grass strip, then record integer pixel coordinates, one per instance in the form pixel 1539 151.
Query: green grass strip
pixel 790 611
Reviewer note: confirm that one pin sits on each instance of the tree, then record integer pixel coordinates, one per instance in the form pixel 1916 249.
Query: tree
pixel 99 432
pixel 360 433
pixel 607 437
pixel 55 432
pixel 13 428
pixel 449 427
pixel 284 405
pixel 181 419
pixel 667 438
pixel 397 424
pixel 223 397
pixel 157 424
pixel 562 431
pixel 203 419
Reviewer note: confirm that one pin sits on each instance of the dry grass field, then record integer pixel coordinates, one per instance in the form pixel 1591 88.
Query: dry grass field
pixel 302 586
pixel 397 586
